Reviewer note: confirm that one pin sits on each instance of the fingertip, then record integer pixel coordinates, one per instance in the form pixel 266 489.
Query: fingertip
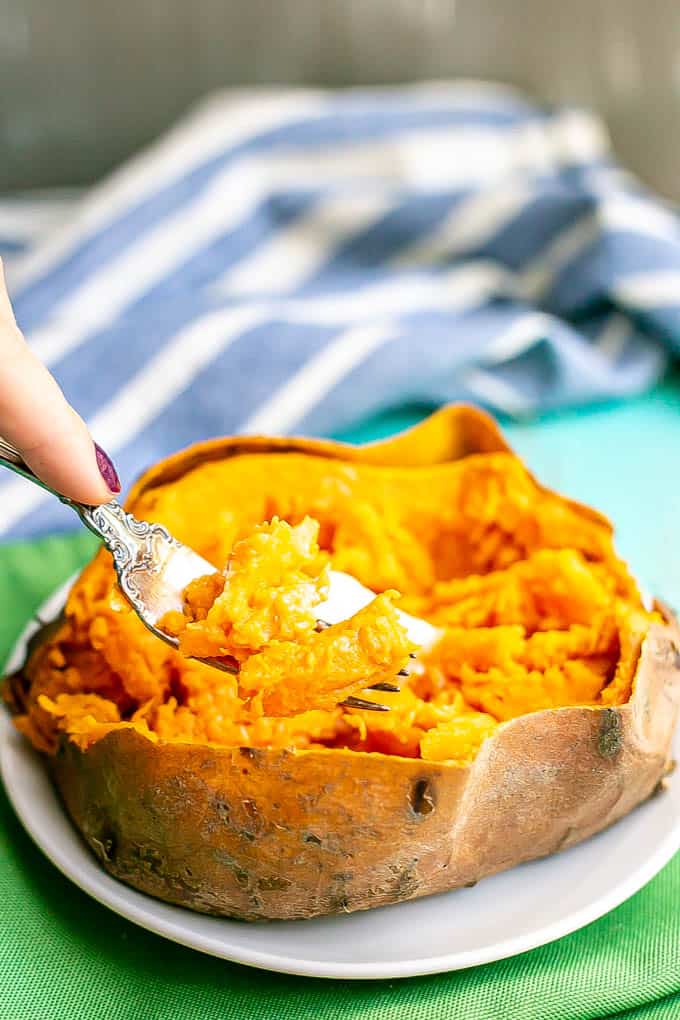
pixel 53 439
pixel 72 464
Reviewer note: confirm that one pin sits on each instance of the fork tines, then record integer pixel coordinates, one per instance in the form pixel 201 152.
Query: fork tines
pixel 368 706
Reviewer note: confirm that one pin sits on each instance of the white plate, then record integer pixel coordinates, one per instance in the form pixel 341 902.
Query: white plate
pixel 504 915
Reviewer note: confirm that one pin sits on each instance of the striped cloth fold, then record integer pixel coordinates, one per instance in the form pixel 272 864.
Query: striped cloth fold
pixel 297 260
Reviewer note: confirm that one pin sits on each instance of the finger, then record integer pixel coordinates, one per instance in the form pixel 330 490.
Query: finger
pixel 36 418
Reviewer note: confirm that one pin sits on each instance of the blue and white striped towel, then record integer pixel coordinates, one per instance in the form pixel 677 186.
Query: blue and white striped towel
pixel 294 261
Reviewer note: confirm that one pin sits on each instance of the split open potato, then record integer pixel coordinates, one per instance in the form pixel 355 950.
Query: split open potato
pixel 544 713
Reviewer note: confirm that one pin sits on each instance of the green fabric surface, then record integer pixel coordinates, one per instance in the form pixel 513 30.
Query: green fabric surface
pixel 64 956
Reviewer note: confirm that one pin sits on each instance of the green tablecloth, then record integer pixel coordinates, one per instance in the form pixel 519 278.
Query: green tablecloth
pixel 64 956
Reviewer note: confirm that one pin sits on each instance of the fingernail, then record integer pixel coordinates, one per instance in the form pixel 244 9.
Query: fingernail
pixel 107 470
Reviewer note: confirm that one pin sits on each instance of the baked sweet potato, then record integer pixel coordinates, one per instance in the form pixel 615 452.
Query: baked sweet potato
pixel 544 714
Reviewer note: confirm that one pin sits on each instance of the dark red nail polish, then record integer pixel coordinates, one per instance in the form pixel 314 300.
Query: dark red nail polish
pixel 107 470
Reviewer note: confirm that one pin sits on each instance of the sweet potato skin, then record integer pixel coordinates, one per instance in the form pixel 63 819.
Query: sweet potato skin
pixel 258 834
pixel 270 834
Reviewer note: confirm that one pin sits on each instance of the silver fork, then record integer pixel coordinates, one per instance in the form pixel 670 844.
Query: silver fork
pixel 153 569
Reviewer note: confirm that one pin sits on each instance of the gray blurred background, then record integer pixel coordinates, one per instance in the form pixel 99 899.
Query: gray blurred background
pixel 83 83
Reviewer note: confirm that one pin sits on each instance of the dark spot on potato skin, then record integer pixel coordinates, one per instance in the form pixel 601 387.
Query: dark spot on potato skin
pixel 222 809
pixel 309 837
pixel 339 904
pixel 343 877
pixel 610 737
pixel 339 891
pixel 239 873
pixel 421 798
pixel 674 654
pixel 274 883
pixel 148 859
pixel 104 846
pixel 251 753
pixel 406 882
pixel 256 825
pixel 250 808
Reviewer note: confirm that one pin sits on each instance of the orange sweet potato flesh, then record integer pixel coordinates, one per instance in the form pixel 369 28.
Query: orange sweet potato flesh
pixel 261 614
pixel 276 575
pixel 544 713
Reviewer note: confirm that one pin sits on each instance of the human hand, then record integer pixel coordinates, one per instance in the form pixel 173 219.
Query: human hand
pixel 38 420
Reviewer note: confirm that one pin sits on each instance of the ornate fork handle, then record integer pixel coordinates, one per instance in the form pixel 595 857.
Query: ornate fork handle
pixel 135 545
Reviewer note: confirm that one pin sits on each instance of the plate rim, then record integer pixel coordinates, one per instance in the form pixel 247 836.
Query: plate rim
pixel 147 911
